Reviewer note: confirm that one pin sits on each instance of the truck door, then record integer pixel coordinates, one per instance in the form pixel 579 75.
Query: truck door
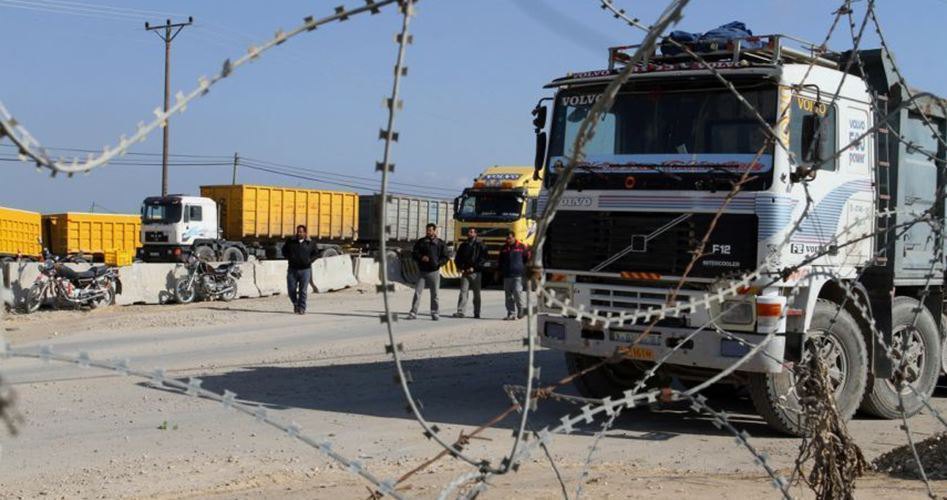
pixel 916 193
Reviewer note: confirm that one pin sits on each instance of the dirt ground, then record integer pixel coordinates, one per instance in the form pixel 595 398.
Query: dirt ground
pixel 95 434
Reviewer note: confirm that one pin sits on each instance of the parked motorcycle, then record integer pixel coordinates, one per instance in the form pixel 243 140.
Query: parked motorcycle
pixel 92 288
pixel 206 282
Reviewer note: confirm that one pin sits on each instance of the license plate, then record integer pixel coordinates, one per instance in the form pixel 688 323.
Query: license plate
pixel 641 353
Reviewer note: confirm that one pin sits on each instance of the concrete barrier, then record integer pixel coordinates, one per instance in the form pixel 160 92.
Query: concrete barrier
pixel 367 270
pixel 332 273
pixel 270 277
pixel 148 283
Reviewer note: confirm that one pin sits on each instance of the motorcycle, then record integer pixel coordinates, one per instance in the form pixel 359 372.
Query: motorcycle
pixel 207 282
pixel 92 288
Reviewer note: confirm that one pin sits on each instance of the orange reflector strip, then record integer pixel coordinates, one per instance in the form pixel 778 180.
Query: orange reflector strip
pixel 557 277
pixel 768 310
pixel 747 290
pixel 794 312
pixel 629 275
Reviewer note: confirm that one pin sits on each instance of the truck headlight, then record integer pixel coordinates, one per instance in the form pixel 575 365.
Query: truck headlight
pixel 736 312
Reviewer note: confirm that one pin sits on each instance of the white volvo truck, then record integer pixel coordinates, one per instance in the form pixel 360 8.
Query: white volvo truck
pixel 659 167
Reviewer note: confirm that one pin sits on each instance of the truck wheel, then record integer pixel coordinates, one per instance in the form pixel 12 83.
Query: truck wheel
pixel 919 347
pixel 611 379
pixel 834 335
pixel 205 253
pixel 943 347
pixel 233 254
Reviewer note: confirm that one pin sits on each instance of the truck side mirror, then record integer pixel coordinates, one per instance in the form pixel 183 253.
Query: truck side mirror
pixel 187 213
pixel 539 117
pixel 813 143
pixel 456 205
pixel 540 159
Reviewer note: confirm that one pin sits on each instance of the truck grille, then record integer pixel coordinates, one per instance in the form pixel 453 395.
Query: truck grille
pixel 156 237
pixel 581 241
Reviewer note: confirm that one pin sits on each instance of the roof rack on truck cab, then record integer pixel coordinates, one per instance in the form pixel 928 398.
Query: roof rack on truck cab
pixel 758 49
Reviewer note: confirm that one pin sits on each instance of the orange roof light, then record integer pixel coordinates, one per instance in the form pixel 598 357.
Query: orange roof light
pixel 631 275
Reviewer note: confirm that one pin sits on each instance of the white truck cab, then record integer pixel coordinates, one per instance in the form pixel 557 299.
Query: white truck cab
pixel 172 225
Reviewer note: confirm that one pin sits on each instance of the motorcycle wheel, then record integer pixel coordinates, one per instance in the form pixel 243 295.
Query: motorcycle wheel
pixel 107 298
pixel 34 298
pixel 231 292
pixel 185 291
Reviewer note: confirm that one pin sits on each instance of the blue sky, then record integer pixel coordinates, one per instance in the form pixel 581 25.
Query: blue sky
pixel 80 73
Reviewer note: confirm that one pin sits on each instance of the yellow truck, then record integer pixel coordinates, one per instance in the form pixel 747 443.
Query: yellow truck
pixel 497 203
pixel 20 233
pixel 110 238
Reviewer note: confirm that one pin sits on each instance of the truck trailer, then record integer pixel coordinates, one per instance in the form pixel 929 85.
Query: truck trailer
pixel 660 166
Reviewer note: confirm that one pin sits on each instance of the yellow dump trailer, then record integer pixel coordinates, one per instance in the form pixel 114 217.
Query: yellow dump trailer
pixel 20 232
pixel 265 213
pixel 97 235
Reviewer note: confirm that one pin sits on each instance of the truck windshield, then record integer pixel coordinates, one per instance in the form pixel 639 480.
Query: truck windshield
pixel 480 205
pixel 161 213
pixel 661 138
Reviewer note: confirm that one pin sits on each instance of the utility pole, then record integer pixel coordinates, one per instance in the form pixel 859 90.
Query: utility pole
pixel 168 37
pixel 236 161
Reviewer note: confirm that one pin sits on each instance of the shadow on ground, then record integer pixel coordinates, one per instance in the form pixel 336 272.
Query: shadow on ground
pixel 465 390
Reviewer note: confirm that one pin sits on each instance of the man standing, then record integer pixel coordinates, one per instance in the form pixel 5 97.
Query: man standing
pixel 299 252
pixel 512 263
pixel 470 258
pixel 430 253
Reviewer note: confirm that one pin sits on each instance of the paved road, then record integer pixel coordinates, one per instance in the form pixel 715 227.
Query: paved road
pixel 90 433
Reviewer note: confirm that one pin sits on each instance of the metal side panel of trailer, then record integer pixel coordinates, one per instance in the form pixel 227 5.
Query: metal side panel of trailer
pixel 406 216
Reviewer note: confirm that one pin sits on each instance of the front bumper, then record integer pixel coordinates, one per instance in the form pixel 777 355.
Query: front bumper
pixel 706 349
pixel 162 253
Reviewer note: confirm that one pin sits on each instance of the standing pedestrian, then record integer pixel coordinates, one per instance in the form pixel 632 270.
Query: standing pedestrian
pixel 299 252
pixel 430 253
pixel 470 257
pixel 512 264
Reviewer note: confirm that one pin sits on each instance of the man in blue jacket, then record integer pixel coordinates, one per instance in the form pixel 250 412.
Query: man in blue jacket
pixel 512 264
pixel 430 253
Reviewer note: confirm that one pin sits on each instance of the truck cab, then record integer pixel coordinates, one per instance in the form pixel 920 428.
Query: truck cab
pixel 794 263
pixel 172 225
pixel 499 201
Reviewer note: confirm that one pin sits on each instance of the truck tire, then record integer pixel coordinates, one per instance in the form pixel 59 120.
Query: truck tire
pixel 608 380
pixel 233 254
pixel 842 346
pixel 205 253
pixel 943 349
pixel 923 362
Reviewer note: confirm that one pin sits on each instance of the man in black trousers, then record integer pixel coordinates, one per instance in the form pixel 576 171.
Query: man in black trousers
pixel 470 258
pixel 299 252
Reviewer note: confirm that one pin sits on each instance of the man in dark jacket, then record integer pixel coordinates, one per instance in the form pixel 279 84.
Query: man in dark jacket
pixel 470 257
pixel 512 264
pixel 299 252
pixel 430 253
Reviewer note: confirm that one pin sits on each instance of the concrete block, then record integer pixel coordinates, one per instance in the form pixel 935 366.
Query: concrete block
pixel 367 270
pixel 246 285
pixel 270 276
pixel 332 273
pixel 148 283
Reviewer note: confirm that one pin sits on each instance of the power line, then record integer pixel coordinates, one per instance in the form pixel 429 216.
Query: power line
pixel 331 182
pixel 422 187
